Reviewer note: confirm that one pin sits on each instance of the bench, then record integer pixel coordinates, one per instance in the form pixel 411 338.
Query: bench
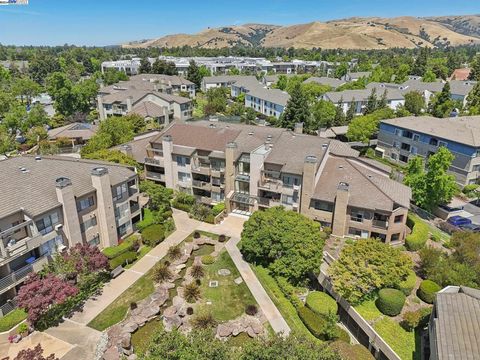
pixel 117 271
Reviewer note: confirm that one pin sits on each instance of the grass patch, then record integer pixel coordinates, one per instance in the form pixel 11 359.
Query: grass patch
pixel 368 310
pixel 116 311
pixel 229 300
pixel 143 336
pixel 11 319
pixel 401 341
pixel 285 307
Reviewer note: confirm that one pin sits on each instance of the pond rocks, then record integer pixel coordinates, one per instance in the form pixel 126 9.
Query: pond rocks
pixel 126 340
pixel 178 302
pixel 244 324
pixel 223 330
pixel 139 320
pixel 130 327
pixel 167 286
pixel 172 322
pixel 150 311
pixel 224 272
pixel 111 354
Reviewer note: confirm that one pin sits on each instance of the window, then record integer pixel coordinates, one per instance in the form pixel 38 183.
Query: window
pixel 85 203
pixel 393 156
pixel 442 143
pixel 414 150
pixel 407 134
pixel 396 144
pixel 395 237
pixel 88 224
pixel 323 205
pixel 119 191
pixel 406 147
pixel 183 176
pixel 122 229
pixel 122 210
pixel 288 199
pixel 183 160
pixel 476 168
pixel 46 224
pixel 403 158
pixel 398 219
pixel 416 137
pixel 95 241
pixel 433 142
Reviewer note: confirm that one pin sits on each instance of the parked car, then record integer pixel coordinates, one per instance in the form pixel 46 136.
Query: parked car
pixel 470 227
pixel 459 220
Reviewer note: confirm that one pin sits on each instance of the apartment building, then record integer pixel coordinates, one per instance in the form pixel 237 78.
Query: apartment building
pixel 170 84
pixel 255 167
pixel 129 67
pixel 52 203
pixel 454 324
pixel 401 139
pixel 155 105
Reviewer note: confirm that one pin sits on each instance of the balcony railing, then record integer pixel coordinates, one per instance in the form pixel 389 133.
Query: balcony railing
pixel 134 208
pixel 8 307
pixel 380 224
pixel 356 219
pixel 17 276
pixel 201 184
pixel 154 175
pixel 152 161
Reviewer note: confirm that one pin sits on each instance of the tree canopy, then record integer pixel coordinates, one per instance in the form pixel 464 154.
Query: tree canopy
pixel 297 109
pixel 287 243
pixel 366 266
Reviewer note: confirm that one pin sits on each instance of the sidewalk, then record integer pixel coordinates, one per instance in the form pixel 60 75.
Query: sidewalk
pixel 276 320
pixel 113 289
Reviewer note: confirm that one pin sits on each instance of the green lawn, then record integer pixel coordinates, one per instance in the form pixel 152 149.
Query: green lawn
pixel 117 310
pixel 11 319
pixel 285 307
pixel 142 337
pixel 144 250
pixel 229 300
pixel 400 340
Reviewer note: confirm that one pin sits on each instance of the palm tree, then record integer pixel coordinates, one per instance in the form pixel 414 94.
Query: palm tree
pixel 197 271
pixel 191 292
pixel 162 273
pixel 174 253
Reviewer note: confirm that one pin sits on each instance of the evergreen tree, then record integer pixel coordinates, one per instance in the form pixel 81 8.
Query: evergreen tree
pixel 193 74
pixel 382 103
pixel 145 66
pixel 297 109
pixel 442 105
pixel 350 112
pixel 372 103
pixel 420 65
pixel 475 71
pixel 473 100
pixel 339 119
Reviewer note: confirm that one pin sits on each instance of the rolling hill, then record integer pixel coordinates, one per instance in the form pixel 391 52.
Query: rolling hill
pixel 352 33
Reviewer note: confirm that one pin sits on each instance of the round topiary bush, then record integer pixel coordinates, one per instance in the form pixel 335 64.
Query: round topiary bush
pixel 407 285
pixel 390 301
pixel 189 311
pixel 251 310
pixel 222 238
pixel 315 323
pixel 208 259
pixel 153 235
pixel 321 303
pixel 196 235
pixel 427 291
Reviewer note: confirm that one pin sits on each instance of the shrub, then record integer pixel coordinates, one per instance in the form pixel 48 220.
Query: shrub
pixel 22 328
pixel 208 259
pixel 427 291
pixel 342 335
pixel 189 310
pixel 222 238
pixel 327 230
pixel 196 234
pixel 321 303
pixel 210 218
pixel 133 305
pixel 470 189
pixel 407 285
pixel 114 251
pixel 217 209
pixel 204 320
pixel 174 253
pixel 153 235
pixel 419 236
pixel 289 291
pixel 127 257
pixel 314 323
pixel 180 206
pixel 161 273
pixel 251 310
pixel 390 301
pixel 424 316
pixel 11 319
pixel 191 292
pixel 351 352
pixel 196 271
pixel 410 320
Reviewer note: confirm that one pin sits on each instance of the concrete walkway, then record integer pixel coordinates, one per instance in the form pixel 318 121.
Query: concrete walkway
pixel 276 320
pixel 113 289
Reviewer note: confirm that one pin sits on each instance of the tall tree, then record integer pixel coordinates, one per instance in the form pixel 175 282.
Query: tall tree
pixel 414 102
pixel 475 70
pixel 350 112
pixel 323 114
pixel 297 109
pixel 442 105
pixel 473 100
pixel 372 103
pixel 421 62
pixel 339 118
pixel 145 66
pixel 193 74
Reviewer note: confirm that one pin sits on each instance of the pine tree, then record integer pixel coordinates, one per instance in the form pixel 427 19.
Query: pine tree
pixel 145 66
pixel 297 109
pixel 339 119
pixel 193 74
pixel 475 71
pixel 350 112
pixel 473 100
pixel 420 65
pixel 442 105
pixel 382 103
pixel 372 103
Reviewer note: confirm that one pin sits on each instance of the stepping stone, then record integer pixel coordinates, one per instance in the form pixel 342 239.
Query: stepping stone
pixel 257 328
pixel 224 272
pixel 213 283
pixel 238 280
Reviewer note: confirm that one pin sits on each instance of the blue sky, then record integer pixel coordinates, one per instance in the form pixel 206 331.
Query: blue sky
pixel 107 22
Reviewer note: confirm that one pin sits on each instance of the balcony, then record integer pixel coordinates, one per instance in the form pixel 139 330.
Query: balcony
pixel 217 172
pixel 151 175
pixel 356 219
pixel 134 207
pixel 19 246
pixel 268 202
pixel 382 224
pixel 204 199
pixel 14 278
pixel 201 185
pixel 201 169
pixel 153 161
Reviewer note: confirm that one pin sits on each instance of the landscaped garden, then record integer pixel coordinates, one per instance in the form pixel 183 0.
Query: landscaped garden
pixel 196 286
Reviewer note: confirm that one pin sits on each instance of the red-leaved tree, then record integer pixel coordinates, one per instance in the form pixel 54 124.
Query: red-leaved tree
pixel 34 354
pixel 87 258
pixel 38 294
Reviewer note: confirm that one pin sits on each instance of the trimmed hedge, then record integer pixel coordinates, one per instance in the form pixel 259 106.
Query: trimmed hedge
pixel 289 291
pixel 114 251
pixel 153 235
pixel 129 256
pixel 217 209
pixel 351 352
pixel 342 335
pixel 181 206
pixel 407 285
pixel 390 301
pixel 314 322
pixel 11 319
pixel 208 259
pixel 321 303
pixel 427 291
pixel 419 236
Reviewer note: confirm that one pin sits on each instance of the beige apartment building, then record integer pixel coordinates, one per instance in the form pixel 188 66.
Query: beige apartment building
pixel 254 167
pixel 50 204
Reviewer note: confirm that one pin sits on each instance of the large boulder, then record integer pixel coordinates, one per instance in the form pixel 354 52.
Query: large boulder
pixel 130 327
pixel 223 330
pixel 172 322
pixel 126 341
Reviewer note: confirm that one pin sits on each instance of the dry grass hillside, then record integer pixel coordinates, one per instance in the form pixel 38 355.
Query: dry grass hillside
pixel 353 33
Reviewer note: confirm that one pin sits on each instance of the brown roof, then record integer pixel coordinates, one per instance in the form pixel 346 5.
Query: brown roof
pixel 73 131
pixel 34 189
pixel 148 109
pixel 460 74
pixel 139 145
pixel 367 188
pixel 121 96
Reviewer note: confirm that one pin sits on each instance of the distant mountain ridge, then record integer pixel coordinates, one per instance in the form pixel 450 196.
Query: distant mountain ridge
pixel 353 33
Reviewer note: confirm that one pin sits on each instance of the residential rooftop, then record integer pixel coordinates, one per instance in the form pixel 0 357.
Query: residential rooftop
pixel 73 130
